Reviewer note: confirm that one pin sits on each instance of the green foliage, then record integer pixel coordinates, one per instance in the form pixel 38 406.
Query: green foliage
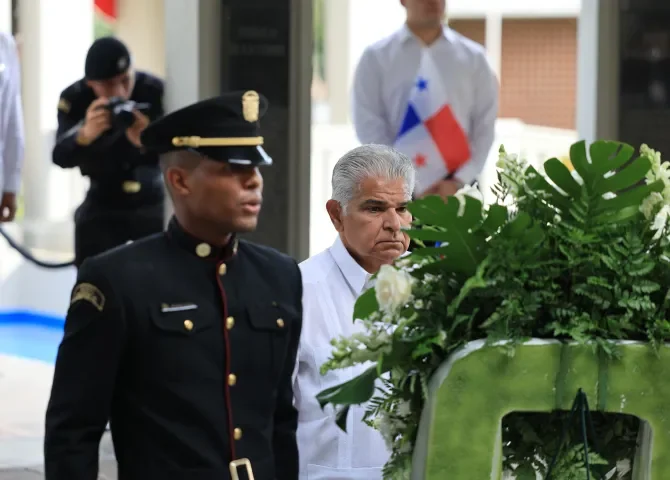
pixel 101 28
pixel 578 256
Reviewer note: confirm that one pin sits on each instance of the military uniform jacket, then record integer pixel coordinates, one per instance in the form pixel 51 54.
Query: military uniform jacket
pixel 189 351
pixel 111 156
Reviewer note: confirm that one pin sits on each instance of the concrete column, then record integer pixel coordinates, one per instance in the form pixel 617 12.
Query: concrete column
pixel 352 25
pixel 192 54
pixel 494 32
pixel 141 25
pixel 336 19
pixel 55 39
pixel 5 15
pixel 598 71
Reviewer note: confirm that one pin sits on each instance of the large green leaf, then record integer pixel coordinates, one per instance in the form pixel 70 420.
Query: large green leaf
pixel 560 174
pixel 626 177
pixel 463 241
pixel 536 182
pixel 366 304
pixel 354 392
pixel 496 217
pixel 609 156
pixel 607 170
pixel 429 210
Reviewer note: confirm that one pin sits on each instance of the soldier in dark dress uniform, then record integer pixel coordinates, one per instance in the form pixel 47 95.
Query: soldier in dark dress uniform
pixel 185 340
pixel 125 200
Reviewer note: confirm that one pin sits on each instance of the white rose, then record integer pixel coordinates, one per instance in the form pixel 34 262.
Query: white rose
pixel 467 191
pixel 393 288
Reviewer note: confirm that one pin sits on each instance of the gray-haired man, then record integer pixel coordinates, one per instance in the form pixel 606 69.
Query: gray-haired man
pixel 372 185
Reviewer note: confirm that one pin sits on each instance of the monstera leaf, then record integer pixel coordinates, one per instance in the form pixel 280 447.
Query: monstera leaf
pixel 462 227
pixel 457 225
pixel 608 187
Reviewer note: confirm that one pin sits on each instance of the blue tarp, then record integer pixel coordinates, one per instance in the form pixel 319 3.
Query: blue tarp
pixel 30 335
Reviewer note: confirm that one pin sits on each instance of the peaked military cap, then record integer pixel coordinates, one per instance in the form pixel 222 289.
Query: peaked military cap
pixel 224 128
pixel 106 58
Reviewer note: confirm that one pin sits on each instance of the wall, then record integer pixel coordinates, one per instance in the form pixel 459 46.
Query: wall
pixel 538 68
pixel 474 29
pixel 141 24
pixel 539 71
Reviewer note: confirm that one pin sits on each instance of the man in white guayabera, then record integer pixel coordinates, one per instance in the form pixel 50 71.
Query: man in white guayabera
pixel 372 185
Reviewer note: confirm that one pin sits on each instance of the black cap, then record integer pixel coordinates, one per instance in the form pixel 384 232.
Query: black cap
pixel 224 128
pixel 107 58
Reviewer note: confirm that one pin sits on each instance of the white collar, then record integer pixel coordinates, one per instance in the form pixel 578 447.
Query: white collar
pixel 355 275
pixel 406 34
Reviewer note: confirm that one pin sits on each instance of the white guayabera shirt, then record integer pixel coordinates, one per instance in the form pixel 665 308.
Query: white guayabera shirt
pixel 332 281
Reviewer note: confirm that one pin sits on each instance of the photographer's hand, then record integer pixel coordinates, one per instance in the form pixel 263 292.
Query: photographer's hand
pixel 98 120
pixel 133 133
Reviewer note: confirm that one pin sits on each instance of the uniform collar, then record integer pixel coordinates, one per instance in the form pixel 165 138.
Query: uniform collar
pixel 355 275
pixel 197 247
pixel 406 34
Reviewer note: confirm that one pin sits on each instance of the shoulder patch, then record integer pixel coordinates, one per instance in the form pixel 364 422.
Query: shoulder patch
pixel 88 293
pixel 64 105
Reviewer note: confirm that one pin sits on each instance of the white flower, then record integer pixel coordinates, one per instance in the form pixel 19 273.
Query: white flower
pixel 649 204
pixel 403 409
pixel 393 288
pixel 608 195
pixel 660 221
pixel 467 191
pixel 659 170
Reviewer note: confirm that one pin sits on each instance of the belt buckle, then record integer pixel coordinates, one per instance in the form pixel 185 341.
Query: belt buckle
pixel 131 186
pixel 241 462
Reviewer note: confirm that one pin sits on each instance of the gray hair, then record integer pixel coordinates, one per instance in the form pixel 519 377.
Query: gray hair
pixel 370 161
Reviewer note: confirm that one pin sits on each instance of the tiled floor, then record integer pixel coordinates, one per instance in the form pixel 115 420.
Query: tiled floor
pixel 24 392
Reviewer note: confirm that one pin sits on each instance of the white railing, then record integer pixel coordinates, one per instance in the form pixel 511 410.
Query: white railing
pixel 23 286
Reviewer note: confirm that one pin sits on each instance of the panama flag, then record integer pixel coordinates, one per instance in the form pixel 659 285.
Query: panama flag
pixel 430 134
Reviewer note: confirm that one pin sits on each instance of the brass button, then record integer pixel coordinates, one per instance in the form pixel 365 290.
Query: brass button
pixel 232 379
pixel 230 323
pixel 188 325
pixel 130 186
pixel 280 323
pixel 203 250
pixel 222 269
pixel 237 433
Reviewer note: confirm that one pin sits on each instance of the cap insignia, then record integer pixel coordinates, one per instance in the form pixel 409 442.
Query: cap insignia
pixel 250 106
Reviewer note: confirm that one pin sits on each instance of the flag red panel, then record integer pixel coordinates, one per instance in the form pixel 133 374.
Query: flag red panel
pixel 450 138
pixel 107 8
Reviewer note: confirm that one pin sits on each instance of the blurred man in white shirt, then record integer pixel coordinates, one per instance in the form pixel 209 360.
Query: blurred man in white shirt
pixel 388 70
pixel 11 127
pixel 372 185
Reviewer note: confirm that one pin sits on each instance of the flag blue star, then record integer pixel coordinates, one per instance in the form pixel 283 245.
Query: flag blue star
pixel 421 84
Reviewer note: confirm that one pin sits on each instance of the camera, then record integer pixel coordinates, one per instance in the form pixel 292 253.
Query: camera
pixel 122 112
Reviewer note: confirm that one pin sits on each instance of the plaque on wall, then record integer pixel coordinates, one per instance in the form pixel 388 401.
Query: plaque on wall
pixel 256 56
pixel 644 97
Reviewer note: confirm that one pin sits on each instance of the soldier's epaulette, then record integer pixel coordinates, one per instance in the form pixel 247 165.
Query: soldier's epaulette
pixel 74 97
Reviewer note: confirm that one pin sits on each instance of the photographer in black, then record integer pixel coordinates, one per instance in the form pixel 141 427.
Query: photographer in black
pixel 100 119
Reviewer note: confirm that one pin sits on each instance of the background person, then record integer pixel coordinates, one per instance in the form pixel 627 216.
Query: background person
pixel 11 127
pixel 125 199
